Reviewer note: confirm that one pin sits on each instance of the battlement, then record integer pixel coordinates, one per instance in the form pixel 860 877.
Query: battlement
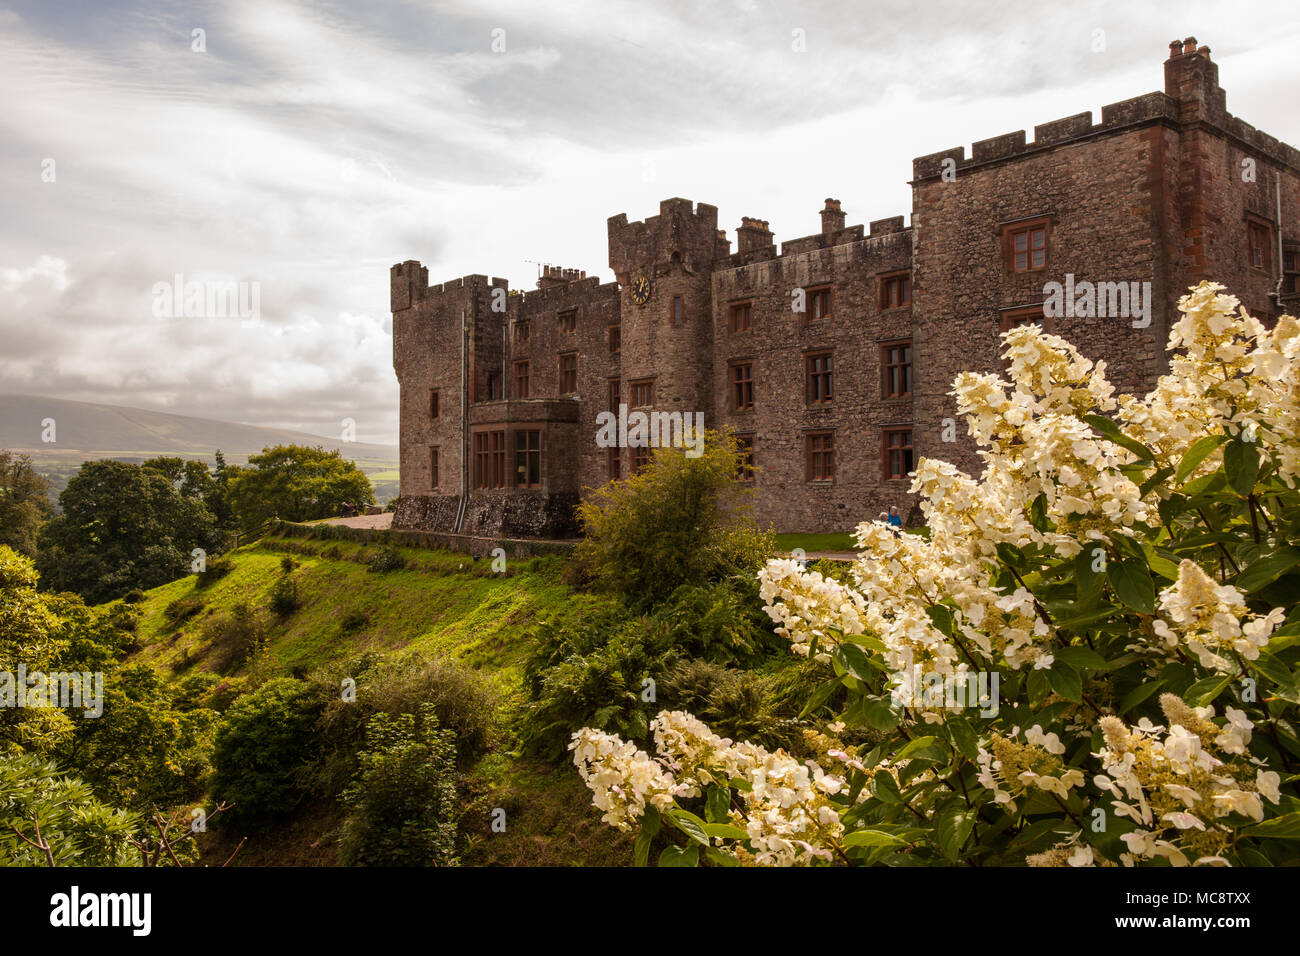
pixel 756 243
pixel 583 287
pixel 409 283
pixel 683 232
pixel 1192 95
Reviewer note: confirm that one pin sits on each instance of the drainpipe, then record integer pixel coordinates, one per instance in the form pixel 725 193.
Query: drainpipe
pixel 1281 274
pixel 464 421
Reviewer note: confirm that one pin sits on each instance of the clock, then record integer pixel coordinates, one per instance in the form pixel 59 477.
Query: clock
pixel 641 291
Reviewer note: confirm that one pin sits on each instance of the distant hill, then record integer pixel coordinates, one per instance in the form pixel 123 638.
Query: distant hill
pixel 113 431
pixel 85 430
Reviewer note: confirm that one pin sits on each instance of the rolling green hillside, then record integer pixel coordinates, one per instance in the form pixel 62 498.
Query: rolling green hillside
pixel 439 604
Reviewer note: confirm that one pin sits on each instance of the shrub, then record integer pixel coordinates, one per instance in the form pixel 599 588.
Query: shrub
pixel 402 803
pixel 215 571
pixel 287 564
pixel 182 609
pixel 387 559
pixel 133 596
pixel 262 745
pixel 234 638
pixel 353 620
pixel 679 521
pixel 80 829
pixel 284 597
pixel 1118 583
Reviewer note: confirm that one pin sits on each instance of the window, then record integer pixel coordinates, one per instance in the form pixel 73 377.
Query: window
pixel 742 386
pixel 677 310
pixel 819 453
pixel 818 370
pixel 615 338
pixel 745 465
pixel 897 452
pixel 640 458
pixel 1291 272
pixel 1259 235
pixel 1025 245
pixel 642 394
pixel 740 316
pixel 522 370
pixel 615 463
pixel 433 467
pixel 433 403
pixel 614 392
pixel 819 302
pixel 490 459
pixel 528 458
pixel 897 368
pixel 1032 315
pixel 569 373
pixel 896 290
pixel 522 330
pixel 569 321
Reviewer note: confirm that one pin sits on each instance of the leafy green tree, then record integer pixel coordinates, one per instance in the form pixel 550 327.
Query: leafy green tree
pixel 262 746
pixel 47 817
pixel 24 502
pixel 681 520
pixel 123 526
pixel 296 483
pixel 403 801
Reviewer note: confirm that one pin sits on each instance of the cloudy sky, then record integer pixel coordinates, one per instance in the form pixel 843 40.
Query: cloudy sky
pixel 308 146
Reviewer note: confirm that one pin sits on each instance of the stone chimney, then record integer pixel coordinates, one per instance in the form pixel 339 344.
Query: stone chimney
pixel 832 218
pixel 752 234
pixel 554 275
pixel 1192 79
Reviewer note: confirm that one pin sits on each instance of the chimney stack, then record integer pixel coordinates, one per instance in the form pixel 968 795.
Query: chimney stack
pixel 752 234
pixel 1192 79
pixel 555 275
pixel 832 218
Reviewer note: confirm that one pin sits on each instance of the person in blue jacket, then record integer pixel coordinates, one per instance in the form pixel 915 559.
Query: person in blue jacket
pixel 895 521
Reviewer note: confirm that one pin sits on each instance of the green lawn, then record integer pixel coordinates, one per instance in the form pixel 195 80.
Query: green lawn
pixel 840 541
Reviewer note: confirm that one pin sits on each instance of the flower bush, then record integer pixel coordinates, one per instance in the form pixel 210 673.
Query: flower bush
pixel 1088 659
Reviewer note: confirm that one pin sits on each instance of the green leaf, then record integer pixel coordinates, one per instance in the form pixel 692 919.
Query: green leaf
pixel 1160 564
pixel 1197 454
pixel 953 827
pixel 727 831
pixel 1144 489
pixel 1241 462
pixel 1108 428
pixel 855 661
pixel 963 735
pixel 872 838
pixel 716 804
pixel 879 715
pixel 1066 681
pixel 927 748
pixel 1082 657
pixel 1206 690
pixel 689 824
pixel 1133 585
pixel 650 826
pixel 1267 569
pixel 1273 669
pixel 680 856
pixel 1285 827
pixel 819 697
pixel 884 788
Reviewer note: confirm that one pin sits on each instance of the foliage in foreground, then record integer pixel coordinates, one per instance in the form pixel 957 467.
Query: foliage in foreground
pixel 1088 662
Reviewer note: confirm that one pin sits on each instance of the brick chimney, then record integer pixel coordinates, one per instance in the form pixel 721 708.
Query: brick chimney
pixel 832 218
pixel 1192 78
pixel 555 275
pixel 752 234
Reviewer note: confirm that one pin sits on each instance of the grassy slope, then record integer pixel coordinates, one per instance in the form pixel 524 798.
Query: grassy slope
pixel 442 603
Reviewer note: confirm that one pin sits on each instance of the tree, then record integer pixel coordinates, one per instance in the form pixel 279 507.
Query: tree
pixel 403 801
pixel 123 526
pixel 681 520
pixel 50 819
pixel 24 502
pixel 296 483
pixel 1089 659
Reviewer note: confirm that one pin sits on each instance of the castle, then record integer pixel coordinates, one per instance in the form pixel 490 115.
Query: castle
pixel 832 358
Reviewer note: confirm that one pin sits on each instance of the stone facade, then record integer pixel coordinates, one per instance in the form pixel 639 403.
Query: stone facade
pixel 1167 189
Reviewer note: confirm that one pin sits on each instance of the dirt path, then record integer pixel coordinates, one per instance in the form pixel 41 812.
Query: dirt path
pixel 384 520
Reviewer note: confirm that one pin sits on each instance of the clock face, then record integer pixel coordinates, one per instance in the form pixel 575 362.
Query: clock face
pixel 641 291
